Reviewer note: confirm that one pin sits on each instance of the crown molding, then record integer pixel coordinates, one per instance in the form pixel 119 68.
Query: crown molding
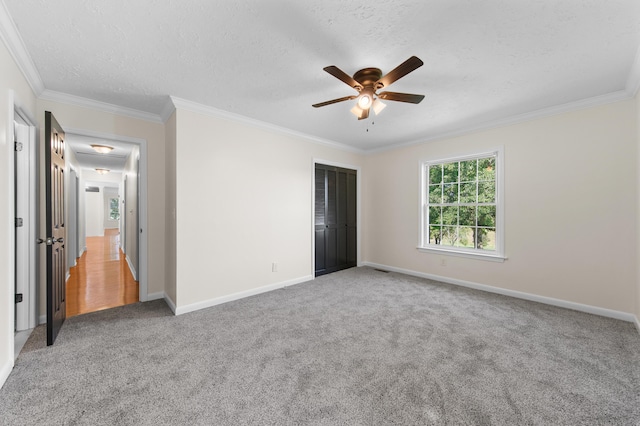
pixel 218 113
pixel 620 95
pixel 65 98
pixel 12 39
pixel 167 110
pixel 633 81
pixel 105 136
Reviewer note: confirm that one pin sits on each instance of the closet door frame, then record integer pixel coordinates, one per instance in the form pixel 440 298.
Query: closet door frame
pixel 317 161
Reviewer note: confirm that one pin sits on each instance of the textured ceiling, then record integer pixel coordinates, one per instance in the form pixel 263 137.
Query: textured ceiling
pixel 483 61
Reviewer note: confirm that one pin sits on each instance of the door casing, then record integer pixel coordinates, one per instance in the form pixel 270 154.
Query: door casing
pixel 143 231
pixel 25 255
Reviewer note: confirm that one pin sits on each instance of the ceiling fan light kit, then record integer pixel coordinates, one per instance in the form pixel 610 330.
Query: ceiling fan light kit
pixel 368 81
pixel 378 106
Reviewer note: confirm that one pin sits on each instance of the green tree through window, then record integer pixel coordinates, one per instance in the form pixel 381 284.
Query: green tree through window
pixel 461 204
pixel 114 209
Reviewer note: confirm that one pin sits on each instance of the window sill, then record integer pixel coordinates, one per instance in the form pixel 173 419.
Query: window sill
pixel 460 253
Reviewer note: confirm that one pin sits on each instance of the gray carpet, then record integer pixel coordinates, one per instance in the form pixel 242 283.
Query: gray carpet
pixel 358 347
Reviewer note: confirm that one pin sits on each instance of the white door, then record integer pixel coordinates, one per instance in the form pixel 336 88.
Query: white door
pixel 23 225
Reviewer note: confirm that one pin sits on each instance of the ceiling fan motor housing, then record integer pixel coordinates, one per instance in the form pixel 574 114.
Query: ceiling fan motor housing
pixel 368 77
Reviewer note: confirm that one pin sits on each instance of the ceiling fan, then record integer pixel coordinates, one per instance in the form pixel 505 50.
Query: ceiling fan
pixel 368 81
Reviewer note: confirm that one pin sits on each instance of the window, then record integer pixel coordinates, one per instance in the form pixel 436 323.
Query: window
pixel 462 205
pixel 114 209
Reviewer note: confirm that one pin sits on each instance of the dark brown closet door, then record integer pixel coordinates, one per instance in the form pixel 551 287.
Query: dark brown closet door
pixel 335 219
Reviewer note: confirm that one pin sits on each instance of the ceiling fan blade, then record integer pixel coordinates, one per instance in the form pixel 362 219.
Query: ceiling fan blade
pixel 334 101
pixel 401 97
pixel 341 75
pixel 400 71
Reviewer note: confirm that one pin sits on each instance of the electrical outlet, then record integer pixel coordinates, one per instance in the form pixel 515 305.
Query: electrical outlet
pixel 274 267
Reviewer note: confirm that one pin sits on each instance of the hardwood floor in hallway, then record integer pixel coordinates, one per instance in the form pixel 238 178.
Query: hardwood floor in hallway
pixel 101 279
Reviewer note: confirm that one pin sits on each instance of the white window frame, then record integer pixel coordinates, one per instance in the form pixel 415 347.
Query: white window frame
pixel 423 243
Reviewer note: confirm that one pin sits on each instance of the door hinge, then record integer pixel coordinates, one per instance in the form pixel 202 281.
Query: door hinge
pixel 18 297
pixel 18 146
pixel 19 222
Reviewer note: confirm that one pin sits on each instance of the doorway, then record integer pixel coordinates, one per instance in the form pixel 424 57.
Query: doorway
pixel 122 221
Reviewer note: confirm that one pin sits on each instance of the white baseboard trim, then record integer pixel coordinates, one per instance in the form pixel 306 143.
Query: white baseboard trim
pixel 171 303
pixel 132 269
pixel 609 313
pixel 637 324
pixel 5 371
pixel 240 295
pixel 162 295
pixel 42 319
pixel 155 296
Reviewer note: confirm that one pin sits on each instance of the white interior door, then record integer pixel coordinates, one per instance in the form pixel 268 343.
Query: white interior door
pixel 24 242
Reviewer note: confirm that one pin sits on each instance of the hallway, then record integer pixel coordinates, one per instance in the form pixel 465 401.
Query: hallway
pixel 101 279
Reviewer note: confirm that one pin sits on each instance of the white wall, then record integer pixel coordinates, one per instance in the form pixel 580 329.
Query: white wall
pixel 71 163
pixel 637 122
pixel 170 212
pixel 570 207
pixel 95 202
pixel 94 214
pixel 243 201
pixel 129 210
pixel 13 88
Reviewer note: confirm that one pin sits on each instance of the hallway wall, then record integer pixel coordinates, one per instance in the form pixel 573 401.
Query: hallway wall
pixel 637 128
pixel 96 203
pixel 129 210
pixel 94 215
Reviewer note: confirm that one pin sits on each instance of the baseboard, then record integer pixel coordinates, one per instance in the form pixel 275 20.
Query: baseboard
pixel 155 296
pixel 42 319
pixel 240 295
pixel 609 313
pixel 5 371
pixel 637 324
pixel 131 268
pixel 171 303
pixel 162 295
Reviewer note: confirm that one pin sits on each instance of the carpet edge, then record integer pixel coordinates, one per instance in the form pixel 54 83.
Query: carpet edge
pixel 595 310
pixel 179 310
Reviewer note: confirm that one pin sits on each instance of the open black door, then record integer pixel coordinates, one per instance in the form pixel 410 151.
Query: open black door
pixel 56 262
